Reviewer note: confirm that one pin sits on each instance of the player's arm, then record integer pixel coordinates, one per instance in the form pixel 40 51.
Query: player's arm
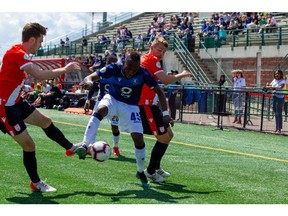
pixel 163 103
pixel 168 79
pixel 34 71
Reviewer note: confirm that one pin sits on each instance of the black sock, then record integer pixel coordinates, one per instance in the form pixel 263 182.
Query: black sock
pixel 30 163
pixel 116 134
pixel 56 135
pixel 157 153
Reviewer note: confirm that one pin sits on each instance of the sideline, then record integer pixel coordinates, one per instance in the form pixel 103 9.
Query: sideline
pixel 191 145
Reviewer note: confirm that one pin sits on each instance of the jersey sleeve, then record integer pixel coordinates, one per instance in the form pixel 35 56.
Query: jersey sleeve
pixel 149 80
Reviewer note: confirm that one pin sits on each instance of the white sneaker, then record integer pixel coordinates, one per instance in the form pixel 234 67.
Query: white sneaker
pixel 155 177
pixel 162 172
pixel 42 187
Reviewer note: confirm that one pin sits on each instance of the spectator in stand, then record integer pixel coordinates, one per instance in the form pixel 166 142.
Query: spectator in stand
pixel 119 42
pixel 262 24
pixel 152 37
pixel 53 96
pixel 190 27
pixel 254 24
pixel 232 27
pixel 223 23
pixel 129 34
pixel 178 19
pixel 68 42
pixel 190 18
pixel 104 40
pixel 203 30
pixel 62 43
pixel 98 64
pixel 277 85
pixel 222 35
pixel 84 43
pixel 155 18
pixel 271 23
pixel 161 21
pixel 138 40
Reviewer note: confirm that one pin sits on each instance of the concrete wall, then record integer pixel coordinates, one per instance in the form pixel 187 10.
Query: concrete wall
pixel 237 58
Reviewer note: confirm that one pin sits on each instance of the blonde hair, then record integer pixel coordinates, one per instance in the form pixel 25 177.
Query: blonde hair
pixel 159 40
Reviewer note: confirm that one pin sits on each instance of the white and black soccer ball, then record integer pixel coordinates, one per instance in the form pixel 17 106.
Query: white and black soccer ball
pixel 100 151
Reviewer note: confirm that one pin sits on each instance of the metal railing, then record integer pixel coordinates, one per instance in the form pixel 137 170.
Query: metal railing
pixel 181 50
pixel 248 37
pixel 208 106
pixel 88 30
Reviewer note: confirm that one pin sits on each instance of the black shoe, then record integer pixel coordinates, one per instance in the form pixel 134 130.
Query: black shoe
pixel 143 179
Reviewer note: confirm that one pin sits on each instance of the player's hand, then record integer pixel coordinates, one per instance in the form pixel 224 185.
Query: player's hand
pixel 86 107
pixel 186 73
pixel 72 66
pixel 86 84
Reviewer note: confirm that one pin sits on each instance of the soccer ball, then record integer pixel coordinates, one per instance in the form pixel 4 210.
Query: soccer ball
pixel 100 151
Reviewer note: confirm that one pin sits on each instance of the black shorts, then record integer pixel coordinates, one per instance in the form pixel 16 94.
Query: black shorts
pixel 13 121
pixel 152 120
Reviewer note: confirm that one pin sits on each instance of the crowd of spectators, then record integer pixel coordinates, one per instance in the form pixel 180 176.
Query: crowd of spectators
pixel 222 25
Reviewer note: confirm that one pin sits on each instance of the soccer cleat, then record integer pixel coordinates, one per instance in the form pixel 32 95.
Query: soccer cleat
pixel 143 179
pixel 42 187
pixel 162 172
pixel 116 151
pixel 81 151
pixel 155 177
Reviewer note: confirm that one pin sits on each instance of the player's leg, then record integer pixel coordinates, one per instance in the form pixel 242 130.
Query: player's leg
pixel 30 162
pixel 163 134
pixel 34 117
pixel 16 128
pixel 116 138
pixel 103 109
pixel 130 120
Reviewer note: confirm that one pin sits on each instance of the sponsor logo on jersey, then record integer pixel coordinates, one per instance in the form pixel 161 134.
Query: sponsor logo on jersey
pixel 158 65
pixel 103 70
pixel 151 119
pixel 162 129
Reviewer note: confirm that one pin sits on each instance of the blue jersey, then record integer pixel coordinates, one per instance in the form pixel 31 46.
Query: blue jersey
pixel 123 89
pixel 104 88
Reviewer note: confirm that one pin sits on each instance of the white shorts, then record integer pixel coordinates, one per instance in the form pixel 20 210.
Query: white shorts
pixel 129 115
pixel 114 120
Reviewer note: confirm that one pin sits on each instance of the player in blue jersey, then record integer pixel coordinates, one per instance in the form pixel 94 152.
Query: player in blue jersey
pixel 103 87
pixel 125 87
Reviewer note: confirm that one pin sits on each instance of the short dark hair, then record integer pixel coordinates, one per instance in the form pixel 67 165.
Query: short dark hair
pixel 32 30
pixel 111 59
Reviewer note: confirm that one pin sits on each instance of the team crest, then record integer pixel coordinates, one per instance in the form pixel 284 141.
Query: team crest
pixel 26 57
pixel 158 65
pixel 103 70
pixel 17 127
pixel 115 120
pixel 162 129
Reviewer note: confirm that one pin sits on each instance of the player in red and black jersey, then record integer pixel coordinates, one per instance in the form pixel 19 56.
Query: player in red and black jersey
pixel 151 115
pixel 15 112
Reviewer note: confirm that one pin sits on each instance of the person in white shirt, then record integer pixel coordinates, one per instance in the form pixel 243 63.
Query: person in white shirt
pixel 277 87
pixel 239 83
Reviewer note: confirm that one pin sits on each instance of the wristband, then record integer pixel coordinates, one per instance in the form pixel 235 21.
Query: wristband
pixel 165 113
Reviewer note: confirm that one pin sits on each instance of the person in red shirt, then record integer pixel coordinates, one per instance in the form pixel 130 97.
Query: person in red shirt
pixel 15 112
pixel 151 114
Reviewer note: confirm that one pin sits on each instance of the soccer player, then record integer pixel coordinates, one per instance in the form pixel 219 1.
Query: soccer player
pixel 125 87
pixel 114 121
pixel 151 114
pixel 15 112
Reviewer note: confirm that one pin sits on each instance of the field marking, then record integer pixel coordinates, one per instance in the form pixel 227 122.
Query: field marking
pixel 188 144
